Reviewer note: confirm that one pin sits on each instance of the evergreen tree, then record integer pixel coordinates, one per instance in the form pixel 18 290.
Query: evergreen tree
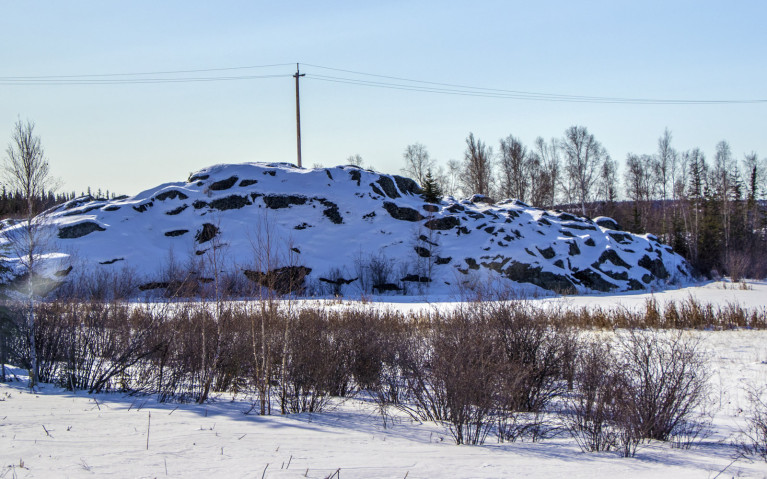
pixel 431 190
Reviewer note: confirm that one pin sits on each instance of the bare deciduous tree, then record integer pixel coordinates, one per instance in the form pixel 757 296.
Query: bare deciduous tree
pixel 515 169
pixel 417 162
pixel 26 170
pixel 584 156
pixel 477 167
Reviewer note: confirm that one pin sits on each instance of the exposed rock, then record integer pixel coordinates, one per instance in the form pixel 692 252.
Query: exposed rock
pixel 199 204
pixel 79 230
pixel 194 178
pixel 355 176
pixel 283 201
pixel 547 253
pixel 402 213
pixel 607 223
pixel 578 226
pixel 223 184
pixel 171 195
pixel 573 248
pixel 407 185
pixel 443 223
pixel 285 280
pixel 430 208
pixel 206 233
pixel 525 273
pixel 422 252
pixel 82 211
pixel 331 211
pixel 176 211
pixel 439 260
pixel 143 207
pixel 654 266
pixel 110 208
pixel 622 238
pixel 592 279
pixel 388 187
pixel 481 199
pixel 176 233
pixel 233 202
pixel 613 257
pixel 589 242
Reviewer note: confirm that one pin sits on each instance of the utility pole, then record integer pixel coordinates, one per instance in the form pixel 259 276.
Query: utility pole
pixel 298 117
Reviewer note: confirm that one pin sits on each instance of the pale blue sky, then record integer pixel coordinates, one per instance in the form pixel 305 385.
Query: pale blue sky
pixel 129 137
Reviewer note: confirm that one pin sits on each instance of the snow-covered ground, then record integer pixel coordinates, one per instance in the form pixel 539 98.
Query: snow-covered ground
pixel 749 294
pixel 57 433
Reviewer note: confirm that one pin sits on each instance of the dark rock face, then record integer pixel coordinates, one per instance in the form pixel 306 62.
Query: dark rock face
pixel 592 279
pixel 547 253
pixel 206 233
pixel 442 224
pixel 355 176
pixel 402 213
pixel 525 273
pixel 233 202
pixel 111 208
pixel 247 182
pixel 175 233
pixel 331 211
pixel 611 256
pixel 176 211
pixel 430 208
pixel 143 207
pixel 194 178
pixel 422 252
pixel 654 266
pixel 407 185
pixel 79 230
pixel 439 260
pixel 285 280
pixel 388 187
pixel 224 184
pixel 386 287
pixel 171 195
pixel 283 201
pixel 607 223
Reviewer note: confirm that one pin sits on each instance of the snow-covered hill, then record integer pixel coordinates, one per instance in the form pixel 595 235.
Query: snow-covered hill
pixel 355 230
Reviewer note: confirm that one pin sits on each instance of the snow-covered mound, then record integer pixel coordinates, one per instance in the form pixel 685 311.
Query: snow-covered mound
pixel 355 229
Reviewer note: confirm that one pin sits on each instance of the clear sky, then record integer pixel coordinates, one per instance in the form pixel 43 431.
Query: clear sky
pixel 126 137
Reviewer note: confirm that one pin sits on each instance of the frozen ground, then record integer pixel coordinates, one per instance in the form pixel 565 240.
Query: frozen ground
pixel 749 294
pixel 56 433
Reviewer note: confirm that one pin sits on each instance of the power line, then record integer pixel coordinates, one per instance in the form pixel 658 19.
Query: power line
pixel 371 80
pixel 169 72
pixel 465 90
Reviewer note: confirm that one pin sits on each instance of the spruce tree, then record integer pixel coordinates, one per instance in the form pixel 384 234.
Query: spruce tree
pixel 431 191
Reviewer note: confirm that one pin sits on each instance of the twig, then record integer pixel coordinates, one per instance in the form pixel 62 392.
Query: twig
pixel 148 427
pixel 264 473
pixel 728 465
pixel 242 436
pixel 174 410
pixel 291 458
pixel 165 459
pixel 46 431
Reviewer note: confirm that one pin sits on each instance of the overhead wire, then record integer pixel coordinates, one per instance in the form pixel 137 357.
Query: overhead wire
pixel 350 77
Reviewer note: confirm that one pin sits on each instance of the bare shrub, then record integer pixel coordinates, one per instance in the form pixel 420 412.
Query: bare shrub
pixel 312 365
pixel 465 372
pixel 537 355
pixel 664 381
pixel 755 432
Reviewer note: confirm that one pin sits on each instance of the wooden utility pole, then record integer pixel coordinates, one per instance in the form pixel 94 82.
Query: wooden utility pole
pixel 298 117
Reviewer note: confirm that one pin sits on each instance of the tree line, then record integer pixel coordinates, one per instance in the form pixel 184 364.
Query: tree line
pixel 712 212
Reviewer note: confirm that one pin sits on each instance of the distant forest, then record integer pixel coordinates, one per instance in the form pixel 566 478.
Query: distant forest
pixel 714 213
